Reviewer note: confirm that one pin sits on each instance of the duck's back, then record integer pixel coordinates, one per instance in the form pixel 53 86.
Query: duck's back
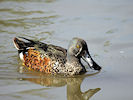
pixel 41 57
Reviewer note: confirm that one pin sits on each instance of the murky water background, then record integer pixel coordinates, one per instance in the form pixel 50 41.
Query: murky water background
pixel 106 25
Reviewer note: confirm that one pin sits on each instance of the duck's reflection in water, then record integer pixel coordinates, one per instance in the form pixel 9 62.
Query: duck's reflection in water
pixel 73 84
pixel 74 91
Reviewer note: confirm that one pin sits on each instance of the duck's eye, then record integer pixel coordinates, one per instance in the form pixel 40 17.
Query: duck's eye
pixel 77 46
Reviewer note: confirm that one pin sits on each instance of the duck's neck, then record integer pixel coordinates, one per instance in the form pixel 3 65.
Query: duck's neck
pixel 75 64
pixel 71 59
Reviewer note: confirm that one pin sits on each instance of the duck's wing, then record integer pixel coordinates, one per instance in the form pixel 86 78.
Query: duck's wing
pixel 25 44
pixel 57 50
pixel 38 55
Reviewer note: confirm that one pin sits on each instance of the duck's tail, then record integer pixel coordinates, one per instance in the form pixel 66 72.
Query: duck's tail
pixel 23 44
pixel 19 44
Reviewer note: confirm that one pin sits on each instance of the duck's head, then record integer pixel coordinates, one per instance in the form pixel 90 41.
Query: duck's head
pixel 78 49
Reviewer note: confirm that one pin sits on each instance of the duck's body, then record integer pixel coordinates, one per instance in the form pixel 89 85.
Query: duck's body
pixel 52 59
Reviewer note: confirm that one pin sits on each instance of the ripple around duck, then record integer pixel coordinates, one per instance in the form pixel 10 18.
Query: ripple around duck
pixel 23 13
pixel 28 21
pixel 46 1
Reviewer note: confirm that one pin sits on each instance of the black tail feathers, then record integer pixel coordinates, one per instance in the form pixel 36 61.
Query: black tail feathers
pixel 19 44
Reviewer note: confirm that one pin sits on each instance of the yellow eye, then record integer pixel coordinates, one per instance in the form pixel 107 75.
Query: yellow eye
pixel 78 46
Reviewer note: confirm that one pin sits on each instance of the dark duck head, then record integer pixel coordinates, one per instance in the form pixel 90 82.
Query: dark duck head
pixel 78 49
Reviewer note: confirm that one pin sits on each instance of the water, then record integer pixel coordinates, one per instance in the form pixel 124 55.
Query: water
pixel 106 25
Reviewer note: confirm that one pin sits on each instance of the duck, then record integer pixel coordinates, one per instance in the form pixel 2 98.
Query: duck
pixel 52 59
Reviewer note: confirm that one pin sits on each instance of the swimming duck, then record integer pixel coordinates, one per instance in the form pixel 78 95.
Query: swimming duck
pixel 53 59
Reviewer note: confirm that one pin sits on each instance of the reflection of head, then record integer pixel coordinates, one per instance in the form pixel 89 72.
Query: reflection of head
pixel 74 90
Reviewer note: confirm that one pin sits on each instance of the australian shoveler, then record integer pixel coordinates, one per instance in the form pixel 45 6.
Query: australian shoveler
pixel 53 59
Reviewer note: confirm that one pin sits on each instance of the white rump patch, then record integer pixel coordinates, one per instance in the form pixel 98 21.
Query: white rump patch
pixel 21 56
